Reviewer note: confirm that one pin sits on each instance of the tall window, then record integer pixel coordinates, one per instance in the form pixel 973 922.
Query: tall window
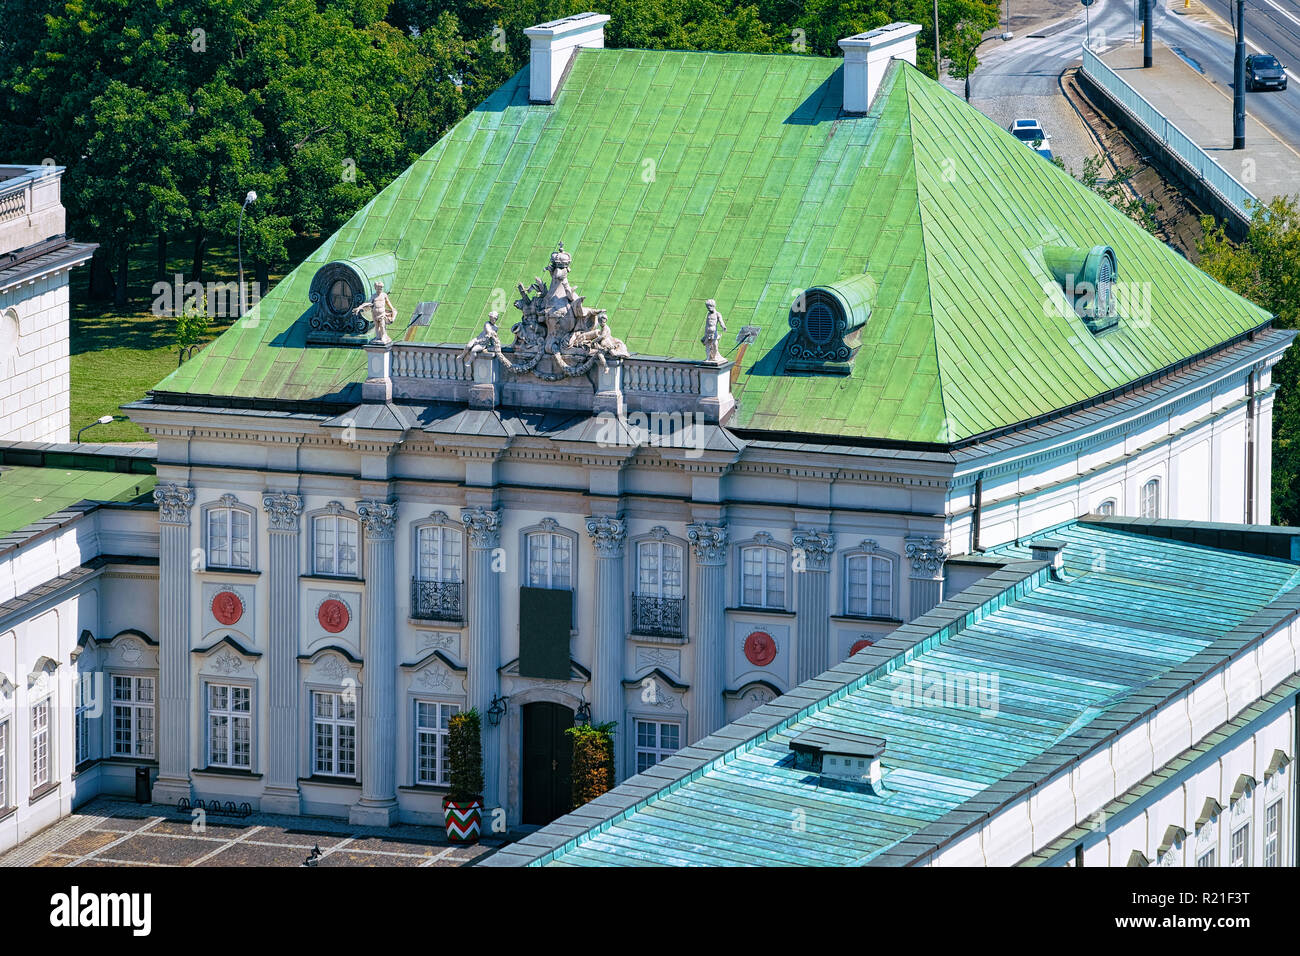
pixel 334 734
pixel 1107 507
pixel 868 585
pixel 40 743
pixel 1240 847
pixel 4 763
pixel 438 554
pixel 1272 832
pixel 657 604
pixel 762 577
pixel 230 726
pixel 655 740
pixel 133 717
pixel 334 539
pixel 1206 859
pixel 1149 505
pixel 431 722
pixel 550 560
pixel 85 691
pixel 230 538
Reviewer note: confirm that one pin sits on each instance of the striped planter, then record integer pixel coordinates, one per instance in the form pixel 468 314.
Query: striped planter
pixel 463 820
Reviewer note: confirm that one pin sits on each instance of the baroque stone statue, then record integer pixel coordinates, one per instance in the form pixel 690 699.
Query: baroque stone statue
pixel 486 341
pixel 713 324
pixel 381 310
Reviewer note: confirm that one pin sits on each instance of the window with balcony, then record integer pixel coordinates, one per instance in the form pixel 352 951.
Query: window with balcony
pixel 334 546
pixel 657 605
pixel 762 577
pixel 436 589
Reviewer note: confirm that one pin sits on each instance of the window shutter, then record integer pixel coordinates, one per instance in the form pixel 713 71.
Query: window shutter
pixel 545 620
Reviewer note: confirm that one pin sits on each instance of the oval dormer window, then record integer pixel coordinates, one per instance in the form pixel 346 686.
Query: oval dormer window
pixel 340 296
pixel 820 321
pixel 1088 278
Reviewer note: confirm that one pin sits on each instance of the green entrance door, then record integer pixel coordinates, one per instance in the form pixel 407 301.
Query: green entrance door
pixel 548 755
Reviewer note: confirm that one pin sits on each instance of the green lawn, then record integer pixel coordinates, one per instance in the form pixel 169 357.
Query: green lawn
pixel 118 355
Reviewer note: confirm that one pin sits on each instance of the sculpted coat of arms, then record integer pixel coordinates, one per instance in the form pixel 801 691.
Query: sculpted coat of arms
pixel 554 323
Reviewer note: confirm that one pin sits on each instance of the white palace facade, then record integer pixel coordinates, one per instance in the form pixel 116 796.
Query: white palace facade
pixel 446 527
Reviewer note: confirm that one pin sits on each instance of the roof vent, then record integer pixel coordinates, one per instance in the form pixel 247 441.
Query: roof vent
pixel 552 48
pixel 849 757
pixel 826 326
pixel 1050 550
pixel 1088 277
pixel 867 56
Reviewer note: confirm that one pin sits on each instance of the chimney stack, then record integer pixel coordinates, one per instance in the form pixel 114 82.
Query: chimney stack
pixel 867 56
pixel 1050 550
pixel 553 45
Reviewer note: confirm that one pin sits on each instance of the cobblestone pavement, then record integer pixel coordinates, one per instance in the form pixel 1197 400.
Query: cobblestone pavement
pixel 112 832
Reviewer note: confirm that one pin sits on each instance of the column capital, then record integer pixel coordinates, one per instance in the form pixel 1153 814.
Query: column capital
pixel 482 526
pixel 607 534
pixel 284 509
pixel 174 502
pixel 816 546
pixel 709 541
pixel 378 517
pixel 927 554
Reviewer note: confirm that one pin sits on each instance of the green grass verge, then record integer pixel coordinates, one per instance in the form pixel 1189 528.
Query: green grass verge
pixel 119 354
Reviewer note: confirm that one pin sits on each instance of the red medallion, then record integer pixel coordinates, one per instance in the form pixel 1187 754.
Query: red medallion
pixel 333 615
pixel 227 607
pixel 859 645
pixel 760 649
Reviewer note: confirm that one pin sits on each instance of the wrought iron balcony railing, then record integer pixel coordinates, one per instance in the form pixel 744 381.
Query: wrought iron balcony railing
pixel 657 616
pixel 436 600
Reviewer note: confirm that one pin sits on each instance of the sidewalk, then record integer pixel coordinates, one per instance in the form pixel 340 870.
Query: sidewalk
pixel 1203 110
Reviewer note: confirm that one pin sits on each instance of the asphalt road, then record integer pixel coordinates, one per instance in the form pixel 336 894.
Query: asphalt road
pixel 1029 66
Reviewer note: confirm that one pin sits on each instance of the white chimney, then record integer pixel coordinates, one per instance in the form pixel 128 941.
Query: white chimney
pixel 867 56
pixel 553 44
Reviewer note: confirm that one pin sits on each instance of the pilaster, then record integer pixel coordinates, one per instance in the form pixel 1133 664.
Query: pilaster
pixel 813 550
pixel 608 534
pixel 927 555
pixel 483 529
pixel 709 545
pixel 283 511
pixel 174 572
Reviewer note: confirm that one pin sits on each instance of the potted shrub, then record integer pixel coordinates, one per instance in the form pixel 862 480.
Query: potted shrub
pixel 462 808
pixel 593 761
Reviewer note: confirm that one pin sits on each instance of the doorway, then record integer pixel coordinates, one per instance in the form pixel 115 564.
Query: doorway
pixel 547 762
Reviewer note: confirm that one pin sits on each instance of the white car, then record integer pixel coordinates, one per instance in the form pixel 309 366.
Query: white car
pixel 1031 133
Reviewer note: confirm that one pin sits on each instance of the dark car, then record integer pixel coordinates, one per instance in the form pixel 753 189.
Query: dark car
pixel 1264 72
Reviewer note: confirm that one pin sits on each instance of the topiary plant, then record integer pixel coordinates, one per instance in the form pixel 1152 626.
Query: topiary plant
pixel 593 761
pixel 464 757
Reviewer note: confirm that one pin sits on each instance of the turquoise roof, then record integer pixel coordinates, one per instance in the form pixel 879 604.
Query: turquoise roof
pixel 673 177
pixel 1073 659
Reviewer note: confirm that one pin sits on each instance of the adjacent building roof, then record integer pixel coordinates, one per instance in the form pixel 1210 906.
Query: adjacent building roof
pixel 39 483
pixel 990 694
pixel 673 177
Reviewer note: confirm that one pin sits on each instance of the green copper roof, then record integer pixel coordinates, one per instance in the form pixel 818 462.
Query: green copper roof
pixel 29 494
pixel 1054 666
pixel 675 177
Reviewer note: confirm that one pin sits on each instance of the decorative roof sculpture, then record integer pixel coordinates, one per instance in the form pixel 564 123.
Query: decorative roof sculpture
pixel 554 324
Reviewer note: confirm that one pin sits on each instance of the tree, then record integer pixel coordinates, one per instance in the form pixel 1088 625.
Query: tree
pixel 1116 191
pixel 1265 268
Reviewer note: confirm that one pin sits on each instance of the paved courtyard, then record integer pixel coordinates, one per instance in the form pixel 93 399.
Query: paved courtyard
pixel 113 832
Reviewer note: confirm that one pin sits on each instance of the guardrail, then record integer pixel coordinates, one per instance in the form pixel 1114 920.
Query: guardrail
pixel 1197 160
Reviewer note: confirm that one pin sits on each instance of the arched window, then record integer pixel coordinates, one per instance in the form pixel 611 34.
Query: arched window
pixel 438 551
pixel 762 576
pixel 1107 507
pixel 230 536
pixel 334 545
pixel 550 560
pixel 1149 505
pixel 868 585
pixel 657 604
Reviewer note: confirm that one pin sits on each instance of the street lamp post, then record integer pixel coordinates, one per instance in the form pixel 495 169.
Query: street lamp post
pixel 102 420
pixel 1239 82
pixel 971 54
pixel 239 246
